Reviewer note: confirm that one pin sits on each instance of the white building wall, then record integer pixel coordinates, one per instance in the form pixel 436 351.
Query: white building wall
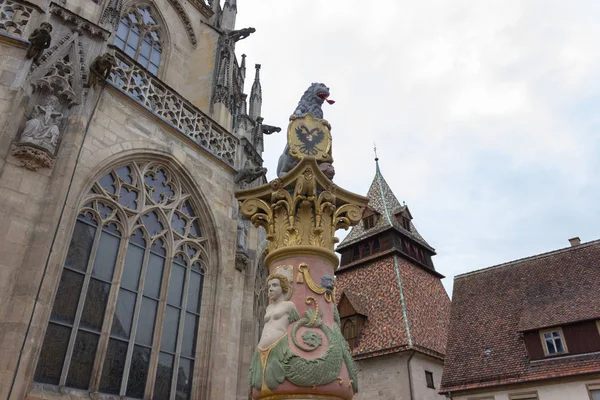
pixel 561 390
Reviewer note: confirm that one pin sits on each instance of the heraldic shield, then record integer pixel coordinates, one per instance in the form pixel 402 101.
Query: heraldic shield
pixel 309 137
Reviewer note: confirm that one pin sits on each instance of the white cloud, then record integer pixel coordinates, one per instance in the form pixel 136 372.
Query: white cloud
pixel 484 113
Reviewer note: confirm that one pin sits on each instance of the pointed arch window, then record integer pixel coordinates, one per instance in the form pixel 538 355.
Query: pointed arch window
pixel 138 36
pixel 127 311
pixel 261 300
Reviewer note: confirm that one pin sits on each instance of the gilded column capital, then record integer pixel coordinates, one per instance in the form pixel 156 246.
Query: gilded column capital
pixel 302 209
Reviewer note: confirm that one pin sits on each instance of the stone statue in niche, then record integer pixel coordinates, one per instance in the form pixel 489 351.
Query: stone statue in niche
pixel 39 40
pixel 100 69
pixel 242 235
pixel 42 129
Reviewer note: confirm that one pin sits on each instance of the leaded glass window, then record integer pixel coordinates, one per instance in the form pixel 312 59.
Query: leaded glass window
pixel 261 300
pixel 138 36
pixel 133 274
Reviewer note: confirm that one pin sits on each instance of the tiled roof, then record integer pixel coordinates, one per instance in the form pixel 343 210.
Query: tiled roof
pixel 408 307
pixel 356 302
pixel 384 202
pixel 491 307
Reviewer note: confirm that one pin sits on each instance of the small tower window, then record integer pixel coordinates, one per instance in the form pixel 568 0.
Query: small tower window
pixel 369 222
pixel 376 245
pixel 406 223
pixel 429 379
pixel 366 249
pixel 355 253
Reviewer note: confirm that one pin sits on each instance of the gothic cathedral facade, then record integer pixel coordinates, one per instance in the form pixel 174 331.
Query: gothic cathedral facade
pixel 125 271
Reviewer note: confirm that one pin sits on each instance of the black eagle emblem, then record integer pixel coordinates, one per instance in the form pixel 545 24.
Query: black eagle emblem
pixel 310 139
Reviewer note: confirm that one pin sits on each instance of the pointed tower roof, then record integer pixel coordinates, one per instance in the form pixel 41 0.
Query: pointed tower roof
pixel 384 203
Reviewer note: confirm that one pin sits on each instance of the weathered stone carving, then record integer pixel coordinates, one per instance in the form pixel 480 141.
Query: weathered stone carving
pixel 37 144
pixel 14 17
pixel 309 105
pixel 269 129
pixel 61 70
pixel 249 174
pixel 39 40
pixel 185 20
pixel 157 97
pixel 70 18
pixel 100 69
pixel 242 235
pixel 42 129
pixel 241 262
pixel 240 34
pixel 32 158
pixel 112 13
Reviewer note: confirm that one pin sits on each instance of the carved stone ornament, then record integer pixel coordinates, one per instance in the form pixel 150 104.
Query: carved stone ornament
pixel 42 128
pixel 249 174
pixel 39 40
pixel 39 139
pixel 32 157
pixel 14 17
pixel 241 262
pixel 100 69
pixel 304 208
pixel 70 18
pixel 61 70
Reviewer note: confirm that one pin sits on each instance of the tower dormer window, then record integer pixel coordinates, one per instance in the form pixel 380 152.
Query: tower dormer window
pixel 369 222
pixel 405 223
pixel 138 36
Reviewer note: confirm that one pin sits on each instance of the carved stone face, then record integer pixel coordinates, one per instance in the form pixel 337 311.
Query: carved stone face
pixel 108 59
pixel 46 26
pixel 274 288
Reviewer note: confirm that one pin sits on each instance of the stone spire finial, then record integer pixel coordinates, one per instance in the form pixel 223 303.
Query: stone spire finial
pixel 229 14
pixel 243 66
pixel 256 95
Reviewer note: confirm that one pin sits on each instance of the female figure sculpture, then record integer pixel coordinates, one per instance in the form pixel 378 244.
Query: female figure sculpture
pixel 267 370
pixel 42 128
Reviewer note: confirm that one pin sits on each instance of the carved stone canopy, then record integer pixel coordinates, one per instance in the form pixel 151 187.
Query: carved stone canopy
pixel 302 209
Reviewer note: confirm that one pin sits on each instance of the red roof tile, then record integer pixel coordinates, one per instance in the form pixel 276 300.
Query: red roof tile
pixel 407 307
pixel 491 307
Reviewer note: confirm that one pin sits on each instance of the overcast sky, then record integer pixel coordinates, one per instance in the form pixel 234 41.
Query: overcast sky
pixel 485 113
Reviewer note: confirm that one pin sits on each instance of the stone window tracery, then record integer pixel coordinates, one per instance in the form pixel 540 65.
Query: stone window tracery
pixel 14 17
pixel 126 315
pixel 261 300
pixel 138 36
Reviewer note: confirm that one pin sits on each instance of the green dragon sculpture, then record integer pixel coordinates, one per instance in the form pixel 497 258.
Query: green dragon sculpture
pixel 282 363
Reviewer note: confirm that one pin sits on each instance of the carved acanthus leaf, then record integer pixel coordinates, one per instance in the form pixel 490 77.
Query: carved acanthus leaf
pixel 301 208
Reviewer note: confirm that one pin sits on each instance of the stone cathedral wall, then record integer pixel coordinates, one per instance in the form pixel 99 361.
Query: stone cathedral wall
pixel 103 128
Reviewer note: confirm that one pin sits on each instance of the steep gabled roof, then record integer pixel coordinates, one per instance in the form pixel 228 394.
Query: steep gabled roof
pixel 383 201
pixel 491 307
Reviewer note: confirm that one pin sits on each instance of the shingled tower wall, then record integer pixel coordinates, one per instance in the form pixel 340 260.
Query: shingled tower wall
pixel 392 304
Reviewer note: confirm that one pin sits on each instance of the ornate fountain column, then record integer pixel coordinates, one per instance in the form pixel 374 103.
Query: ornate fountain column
pixel 302 353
